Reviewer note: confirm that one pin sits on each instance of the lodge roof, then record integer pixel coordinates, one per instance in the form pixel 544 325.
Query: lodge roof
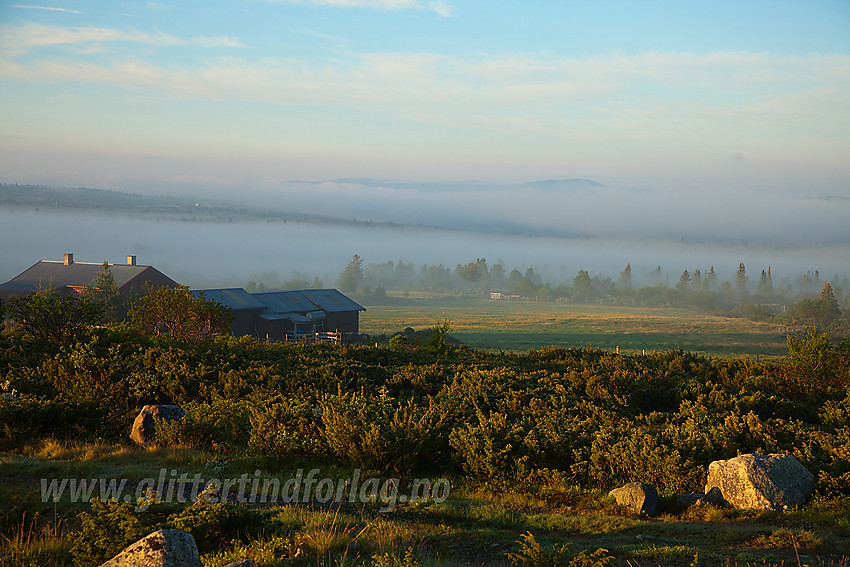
pixel 59 274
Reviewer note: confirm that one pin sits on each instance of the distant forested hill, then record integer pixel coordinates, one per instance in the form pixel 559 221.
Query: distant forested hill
pixel 161 206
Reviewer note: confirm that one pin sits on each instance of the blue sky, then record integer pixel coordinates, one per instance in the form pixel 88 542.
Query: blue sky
pixel 231 97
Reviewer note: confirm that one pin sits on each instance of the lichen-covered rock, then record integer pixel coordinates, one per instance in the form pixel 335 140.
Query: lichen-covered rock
pixel 144 427
pixel 638 497
pixel 165 548
pixel 241 563
pixel 761 482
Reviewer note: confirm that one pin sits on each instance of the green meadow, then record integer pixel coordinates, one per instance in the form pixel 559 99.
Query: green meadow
pixel 520 325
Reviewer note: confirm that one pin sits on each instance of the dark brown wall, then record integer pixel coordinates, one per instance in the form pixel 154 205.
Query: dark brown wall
pixel 345 322
pixel 149 274
pixel 245 323
pixel 273 330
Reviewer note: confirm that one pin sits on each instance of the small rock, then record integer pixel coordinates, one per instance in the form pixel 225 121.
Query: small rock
pixel 241 563
pixel 713 497
pixel 144 427
pixel 638 497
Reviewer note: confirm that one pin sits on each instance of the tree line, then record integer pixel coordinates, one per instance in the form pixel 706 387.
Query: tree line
pixel 806 298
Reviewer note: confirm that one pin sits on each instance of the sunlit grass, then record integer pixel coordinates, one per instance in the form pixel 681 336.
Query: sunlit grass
pixel 29 543
pixel 657 551
pixel 783 537
pixel 74 450
pixel 263 551
pixel 523 325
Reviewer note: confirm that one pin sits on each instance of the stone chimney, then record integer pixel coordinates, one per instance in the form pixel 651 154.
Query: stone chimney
pixel 131 260
pixel 69 258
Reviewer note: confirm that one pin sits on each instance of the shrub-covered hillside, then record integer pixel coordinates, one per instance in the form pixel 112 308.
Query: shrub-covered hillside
pixel 594 418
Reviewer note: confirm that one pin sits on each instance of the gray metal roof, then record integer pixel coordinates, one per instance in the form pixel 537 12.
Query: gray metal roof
pixel 235 298
pixel 331 300
pixel 47 272
pixel 294 317
pixel 300 306
pixel 286 301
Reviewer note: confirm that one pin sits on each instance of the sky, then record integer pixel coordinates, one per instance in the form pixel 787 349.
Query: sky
pixel 698 116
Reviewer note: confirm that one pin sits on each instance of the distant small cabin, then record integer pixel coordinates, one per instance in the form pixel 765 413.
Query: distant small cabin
pixel 293 315
pixel 69 277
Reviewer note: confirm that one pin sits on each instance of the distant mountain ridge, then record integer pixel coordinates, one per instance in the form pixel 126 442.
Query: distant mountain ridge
pixel 161 206
pixel 275 209
pixel 551 184
pixel 548 184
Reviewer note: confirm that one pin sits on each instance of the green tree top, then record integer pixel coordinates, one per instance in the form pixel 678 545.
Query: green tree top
pixel 105 293
pixel 822 310
pixel 741 276
pixel 180 314
pixel 626 276
pixel 473 271
pixel 52 318
pixel 583 286
pixel 351 277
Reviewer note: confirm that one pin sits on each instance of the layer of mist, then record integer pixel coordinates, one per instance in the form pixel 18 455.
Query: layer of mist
pixel 699 211
pixel 212 254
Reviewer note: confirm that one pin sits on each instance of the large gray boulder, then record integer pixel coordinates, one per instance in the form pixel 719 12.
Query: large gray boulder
pixel 165 548
pixel 638 497
pixel 144 427
pixel 761 482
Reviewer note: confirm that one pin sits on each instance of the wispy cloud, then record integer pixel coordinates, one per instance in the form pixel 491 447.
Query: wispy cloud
pixel 218 41
pixel 437 6
pixel 637 107
pixel 615 87
pixel 32 35
pixel 442 8
pixel 40 35
pixel 49 8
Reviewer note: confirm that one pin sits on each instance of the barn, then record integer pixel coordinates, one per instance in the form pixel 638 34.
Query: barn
pixel 244 306
pixel 290 315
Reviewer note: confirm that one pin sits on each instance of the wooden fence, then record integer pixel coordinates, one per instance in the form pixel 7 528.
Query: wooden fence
pixel 310 338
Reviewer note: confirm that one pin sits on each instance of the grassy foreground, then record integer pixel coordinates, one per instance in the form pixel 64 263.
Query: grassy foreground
pixel 518 325
pixel 474 526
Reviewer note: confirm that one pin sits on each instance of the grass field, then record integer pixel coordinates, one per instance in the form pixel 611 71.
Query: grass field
pixel 522 325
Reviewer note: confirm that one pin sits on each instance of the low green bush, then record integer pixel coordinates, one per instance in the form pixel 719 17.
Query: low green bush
pixel 215 524
pixel 107 530
pixel 382 433
pixel 220 425
pixel 286 427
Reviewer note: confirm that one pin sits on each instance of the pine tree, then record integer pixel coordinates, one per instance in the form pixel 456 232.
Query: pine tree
pixel 741 276
pixel 626 277
pixel 684 281
pixel 105 294
pixel 351 278
pixel 711 278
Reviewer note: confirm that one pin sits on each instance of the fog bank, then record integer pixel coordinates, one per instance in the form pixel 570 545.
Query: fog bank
pixel 209 254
